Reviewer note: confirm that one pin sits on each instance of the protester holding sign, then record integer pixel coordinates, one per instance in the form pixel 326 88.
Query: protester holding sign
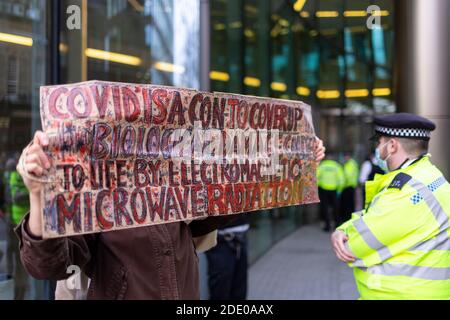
pixel 129 155
pixel 158 259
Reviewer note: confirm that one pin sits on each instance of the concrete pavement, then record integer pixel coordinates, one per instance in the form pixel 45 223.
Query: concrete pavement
pixel 301 266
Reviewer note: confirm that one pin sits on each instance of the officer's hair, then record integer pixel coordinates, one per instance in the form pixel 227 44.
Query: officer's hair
pixel 414 147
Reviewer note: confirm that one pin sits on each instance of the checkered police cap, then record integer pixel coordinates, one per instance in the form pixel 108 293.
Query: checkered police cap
pixel 407 133
pixel 404 125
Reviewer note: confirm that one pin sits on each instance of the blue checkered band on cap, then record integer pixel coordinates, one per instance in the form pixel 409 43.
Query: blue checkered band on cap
pixel 410 133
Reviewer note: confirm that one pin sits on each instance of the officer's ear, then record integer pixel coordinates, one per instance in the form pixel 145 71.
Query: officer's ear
pixel 393 145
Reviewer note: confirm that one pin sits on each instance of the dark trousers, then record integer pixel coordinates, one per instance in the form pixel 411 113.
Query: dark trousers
pixel 328 207
pixel 14 266
pixel 227 268
pixel 347 204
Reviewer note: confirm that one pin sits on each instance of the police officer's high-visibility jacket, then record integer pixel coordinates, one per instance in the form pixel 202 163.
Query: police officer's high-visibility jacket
pixel 19 194
pixel 330 175
pixel 351 173
pixel 401 239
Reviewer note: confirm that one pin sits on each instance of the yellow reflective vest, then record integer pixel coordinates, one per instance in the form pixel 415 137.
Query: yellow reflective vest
pixel 19 194
pixel 330 175
pixel 351 172
pixel 401 239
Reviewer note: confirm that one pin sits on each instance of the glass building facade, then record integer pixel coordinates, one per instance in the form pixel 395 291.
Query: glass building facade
pixel 318 51
pixel 58 41
pixel 321 52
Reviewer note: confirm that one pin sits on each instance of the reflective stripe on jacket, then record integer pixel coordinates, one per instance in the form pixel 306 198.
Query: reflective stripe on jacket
pixel 401 240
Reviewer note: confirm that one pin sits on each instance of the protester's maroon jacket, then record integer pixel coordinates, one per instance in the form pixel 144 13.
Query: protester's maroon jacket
pixel 154 262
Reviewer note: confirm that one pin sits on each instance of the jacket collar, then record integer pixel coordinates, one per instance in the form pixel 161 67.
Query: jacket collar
pixel 381 181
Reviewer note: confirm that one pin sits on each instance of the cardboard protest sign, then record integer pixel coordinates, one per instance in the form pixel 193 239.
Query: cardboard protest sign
pixel 129 155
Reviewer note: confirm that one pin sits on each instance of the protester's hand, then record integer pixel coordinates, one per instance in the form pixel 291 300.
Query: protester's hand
pixel 319 150
pixel 34 162
pixel 338 239
pixel 33 165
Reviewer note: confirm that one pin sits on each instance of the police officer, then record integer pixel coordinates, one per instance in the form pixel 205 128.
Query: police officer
pixel 351 174
pixel 228 262
pixel 399 246
pixel 330 179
